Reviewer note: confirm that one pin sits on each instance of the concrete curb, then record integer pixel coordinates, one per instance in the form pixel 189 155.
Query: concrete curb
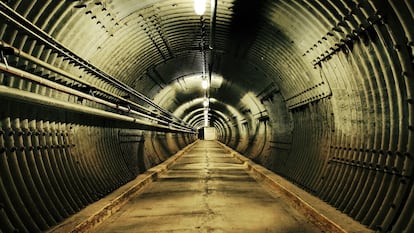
pixel 115 203
pixel 273 180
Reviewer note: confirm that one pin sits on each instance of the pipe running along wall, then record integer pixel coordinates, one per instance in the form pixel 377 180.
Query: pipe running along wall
pixel 93 92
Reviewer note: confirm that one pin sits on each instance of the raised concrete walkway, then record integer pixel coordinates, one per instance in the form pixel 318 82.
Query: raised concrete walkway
pixel 207 190
pixel 207 187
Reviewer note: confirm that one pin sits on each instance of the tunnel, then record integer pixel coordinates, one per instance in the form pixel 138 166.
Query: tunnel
pixel 94 93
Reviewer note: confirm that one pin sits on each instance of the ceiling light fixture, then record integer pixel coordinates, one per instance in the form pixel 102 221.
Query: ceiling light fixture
pixel 206 103
pixel 199 6
pixel 204 84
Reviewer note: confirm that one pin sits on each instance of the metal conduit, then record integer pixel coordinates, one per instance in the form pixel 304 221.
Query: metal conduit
pixel 45 82
pixel 37 33
pixel 74 78
pixel 53 103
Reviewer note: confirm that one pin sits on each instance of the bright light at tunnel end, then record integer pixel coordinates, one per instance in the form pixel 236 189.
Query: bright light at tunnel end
pixel 199 6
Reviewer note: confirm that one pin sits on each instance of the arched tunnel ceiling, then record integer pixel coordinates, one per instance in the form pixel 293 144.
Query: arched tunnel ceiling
pixel 154 43
pixel 259 48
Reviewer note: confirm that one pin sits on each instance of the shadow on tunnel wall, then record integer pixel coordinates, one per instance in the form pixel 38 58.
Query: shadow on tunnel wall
pixel 352 146
pixel 247 19
pixel 53 163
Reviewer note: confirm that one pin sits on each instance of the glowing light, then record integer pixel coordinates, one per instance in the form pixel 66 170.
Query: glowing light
pixel 199 6
pixel 206 103
pixel 204 84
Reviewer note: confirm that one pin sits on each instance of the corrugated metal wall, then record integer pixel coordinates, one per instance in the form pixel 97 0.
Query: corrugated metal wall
pixel 318 91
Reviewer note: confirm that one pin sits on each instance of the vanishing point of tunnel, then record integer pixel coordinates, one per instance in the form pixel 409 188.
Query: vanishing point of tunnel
pixel 206 116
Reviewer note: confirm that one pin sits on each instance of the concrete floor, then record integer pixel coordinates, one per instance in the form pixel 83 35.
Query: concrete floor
pixel 207 191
